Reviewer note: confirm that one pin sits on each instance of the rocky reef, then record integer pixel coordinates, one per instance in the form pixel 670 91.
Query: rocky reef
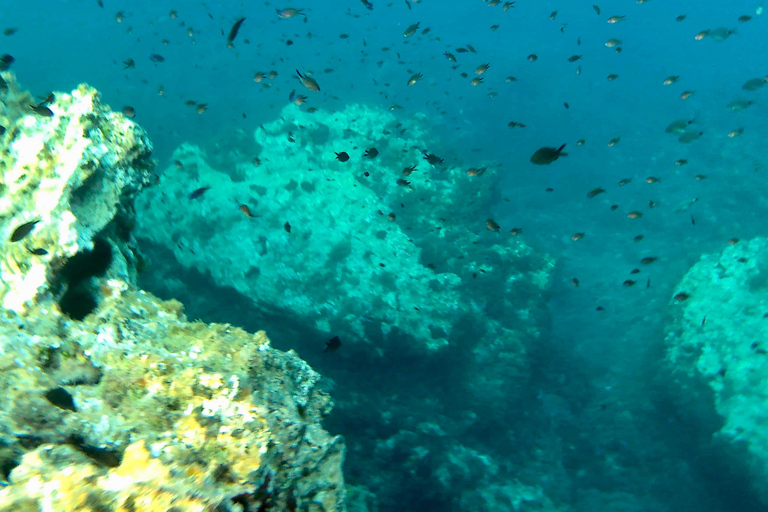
pixel 718 354
pixel 111 399
pixel 363 225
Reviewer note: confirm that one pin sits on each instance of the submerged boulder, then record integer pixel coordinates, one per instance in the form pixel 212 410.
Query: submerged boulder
pixel 111 399
pixel 717 353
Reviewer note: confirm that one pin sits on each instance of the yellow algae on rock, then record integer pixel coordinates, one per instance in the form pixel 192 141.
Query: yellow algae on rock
pixel 125 405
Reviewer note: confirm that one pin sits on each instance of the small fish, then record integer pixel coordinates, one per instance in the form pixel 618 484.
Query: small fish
pixel 612 42
pixel 681 296
pixel 408 170
pixel 198 192
pixel 701 35
pixel 552 16
pixel 612 77
pixel 578 236
pixel 308 82
pixel 547 155
pixel 41 110
pixel 246 211
pixel 368 5
pixel 129 111
pixel 680 18
pixel 38 252
pixel 629 282
pixel 129 64
pixel 652 179
pixel 685 95
pixel 289 12
pixel 574 58
pixel 492 225
pixel 287 227
pixel 575 282
pixel 332 345
pixel 515 231
pixel 613 142
pixel 533 57
pixel 234 30
pixel 154 57
pixel 476 81
pixel 451 57
pixel 597 9
pixel 432 159
pixel 482 68
pixel 615 19
pixel 5 61
pixel 595 191
pixel 411 30
pixel 414 78
pixel 342 157
pixel 639 238
pixel 690 136
pixel 635 214
pixel 22 231
pixel 671 79
pixel 736 133
pixel 371 153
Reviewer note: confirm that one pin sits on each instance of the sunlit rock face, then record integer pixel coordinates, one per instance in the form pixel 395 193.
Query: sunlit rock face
pixel 111 399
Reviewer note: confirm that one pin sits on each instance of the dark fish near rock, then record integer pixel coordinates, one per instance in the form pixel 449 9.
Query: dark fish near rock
pixel 22 231
pixel 5 61
pixel 547 155
pixel 198 192
pixel 342 157
pixel 42 110
pixel 333 344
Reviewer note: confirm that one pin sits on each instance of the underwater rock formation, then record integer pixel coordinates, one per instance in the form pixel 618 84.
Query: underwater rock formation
pixel 351 247
pixel 439 315
pixel 66 173
pixel 130 407
pixel 717 353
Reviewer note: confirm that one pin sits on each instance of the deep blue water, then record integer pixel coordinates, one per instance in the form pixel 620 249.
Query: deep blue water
pixel 60 44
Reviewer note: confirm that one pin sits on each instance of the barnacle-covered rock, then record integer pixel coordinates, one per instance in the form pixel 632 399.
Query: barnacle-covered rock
pixel 126 405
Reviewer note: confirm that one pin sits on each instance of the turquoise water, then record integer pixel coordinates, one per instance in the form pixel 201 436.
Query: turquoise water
pixel 616 438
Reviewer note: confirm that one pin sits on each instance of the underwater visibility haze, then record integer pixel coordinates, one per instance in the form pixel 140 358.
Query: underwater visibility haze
pixel 401 255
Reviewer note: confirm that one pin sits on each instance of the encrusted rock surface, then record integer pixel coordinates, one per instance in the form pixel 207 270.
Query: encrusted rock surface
pixel 344 246
pixel 718 353
pixel 121 403
pixel 71 172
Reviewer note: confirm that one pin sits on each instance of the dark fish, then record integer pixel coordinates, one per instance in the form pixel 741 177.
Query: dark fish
pixel 38 252
pixel 595 191
pixel 61 398
pixel 198 192
pixel 432 159
pixel 234 30
pixel 42 110
pixel 368 5
pixel 681 296
pixel 129 64
pixel 287 227
pixel 547 155
pixel 10 31
pixel 574 58
pixel 371 153
pixel 342 157
pixel 333 344
pixel 156 58
pixel 22 231
pixel 5 61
